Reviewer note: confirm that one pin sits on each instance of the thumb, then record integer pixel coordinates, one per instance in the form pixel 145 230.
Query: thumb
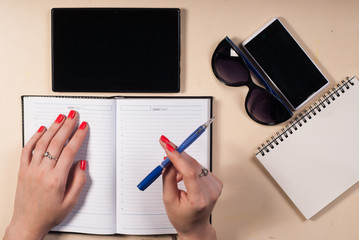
pixel 75 185
pixel 170 187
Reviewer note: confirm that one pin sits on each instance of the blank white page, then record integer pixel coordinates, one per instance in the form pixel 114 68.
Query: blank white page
pixel 94 212
pixel 140 124
pixel 319 161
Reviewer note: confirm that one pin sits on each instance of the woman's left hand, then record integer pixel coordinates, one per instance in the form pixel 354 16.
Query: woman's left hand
pixel 48 188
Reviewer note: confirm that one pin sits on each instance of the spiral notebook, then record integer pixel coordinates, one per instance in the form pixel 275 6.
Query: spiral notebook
pixel 314 159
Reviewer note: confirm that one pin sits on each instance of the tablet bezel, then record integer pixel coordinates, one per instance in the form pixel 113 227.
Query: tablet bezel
pixel 165 78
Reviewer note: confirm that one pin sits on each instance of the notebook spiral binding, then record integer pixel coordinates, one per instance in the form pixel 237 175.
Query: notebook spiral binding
pixel 305 116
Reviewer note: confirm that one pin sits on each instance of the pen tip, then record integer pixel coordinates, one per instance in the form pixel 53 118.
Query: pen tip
pixel 209 122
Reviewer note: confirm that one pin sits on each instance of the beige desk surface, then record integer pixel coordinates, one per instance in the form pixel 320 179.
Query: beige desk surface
pixel 251 206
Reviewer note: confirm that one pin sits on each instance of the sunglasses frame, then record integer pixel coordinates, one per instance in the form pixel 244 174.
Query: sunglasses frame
pixel 249 82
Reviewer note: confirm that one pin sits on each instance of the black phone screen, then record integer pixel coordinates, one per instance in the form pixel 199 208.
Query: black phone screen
pixel 286 64
pixel 116 49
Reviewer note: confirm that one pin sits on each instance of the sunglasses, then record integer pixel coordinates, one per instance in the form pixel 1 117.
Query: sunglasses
pixel 263 106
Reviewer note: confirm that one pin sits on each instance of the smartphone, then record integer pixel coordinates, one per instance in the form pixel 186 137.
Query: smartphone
pixel 285 64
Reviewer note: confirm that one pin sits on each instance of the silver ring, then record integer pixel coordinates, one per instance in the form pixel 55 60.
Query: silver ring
pixel 204 172
pixel 48 155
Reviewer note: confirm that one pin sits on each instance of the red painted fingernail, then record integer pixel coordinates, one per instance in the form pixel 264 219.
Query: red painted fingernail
pixel 83 125
pixel 164 139
pixel 72 114
pixel 59 118
pixel 164 158
pixel 169 147
pixel 41 129
pixel 83 164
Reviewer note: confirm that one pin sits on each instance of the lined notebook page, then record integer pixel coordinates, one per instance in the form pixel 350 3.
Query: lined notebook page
pixel 94 212
pixel 140 123
pixel 319 161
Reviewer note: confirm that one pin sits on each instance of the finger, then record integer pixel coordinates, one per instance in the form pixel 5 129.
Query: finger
pixel 75 186
pixel 179 177
pixel 187 166
pixel 214 185
pixel 29 147
pixel 69 152
pixel 170 187
pixel 218 181
pixel 218 184
pixel 57 143
pixel 182 161
pixel 43 143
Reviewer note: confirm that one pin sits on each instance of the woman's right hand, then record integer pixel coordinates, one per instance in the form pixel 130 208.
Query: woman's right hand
pixel 189 212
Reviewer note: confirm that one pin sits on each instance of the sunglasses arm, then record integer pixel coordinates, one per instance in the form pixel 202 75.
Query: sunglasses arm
pixel 256 73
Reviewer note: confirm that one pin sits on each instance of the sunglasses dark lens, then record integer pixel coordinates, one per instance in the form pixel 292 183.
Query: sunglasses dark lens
pixel 264 108
pixel 231 70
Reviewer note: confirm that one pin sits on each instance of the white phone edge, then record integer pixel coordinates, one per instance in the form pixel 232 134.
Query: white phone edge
pixel 252 58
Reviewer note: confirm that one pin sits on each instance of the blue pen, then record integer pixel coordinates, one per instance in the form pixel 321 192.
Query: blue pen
pixel 147 181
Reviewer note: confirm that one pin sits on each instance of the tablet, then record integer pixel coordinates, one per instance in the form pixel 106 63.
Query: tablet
pixel 115 49
pixel 289 69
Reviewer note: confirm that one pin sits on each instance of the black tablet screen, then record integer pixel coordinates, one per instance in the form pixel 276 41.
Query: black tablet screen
pixel 115 50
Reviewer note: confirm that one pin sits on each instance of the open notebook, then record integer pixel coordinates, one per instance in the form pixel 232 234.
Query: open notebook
pixel 315 158
pixel 122 147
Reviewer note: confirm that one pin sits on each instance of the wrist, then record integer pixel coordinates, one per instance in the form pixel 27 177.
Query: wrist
pixel 207 233
pixel 14 231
